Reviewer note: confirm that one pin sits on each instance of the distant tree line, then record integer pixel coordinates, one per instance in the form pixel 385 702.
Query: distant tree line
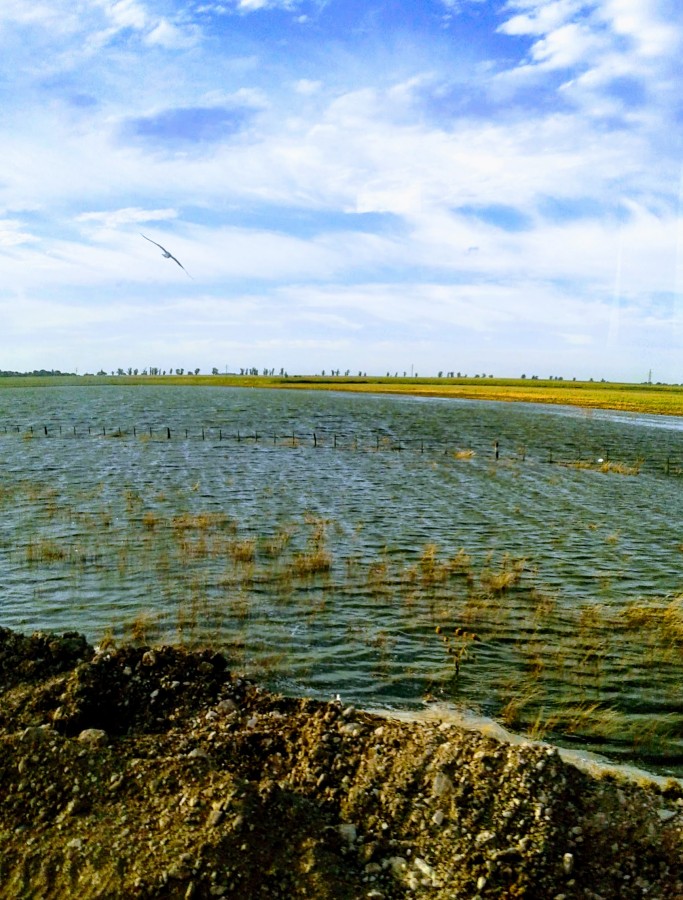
pixel 41 372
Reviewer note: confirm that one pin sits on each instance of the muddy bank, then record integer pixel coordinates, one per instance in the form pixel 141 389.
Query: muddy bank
pixel 155 772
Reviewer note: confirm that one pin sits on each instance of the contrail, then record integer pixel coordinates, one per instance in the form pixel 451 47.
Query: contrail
pixel 166 254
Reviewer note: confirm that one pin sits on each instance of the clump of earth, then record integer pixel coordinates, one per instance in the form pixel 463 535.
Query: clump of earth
pixel 145 772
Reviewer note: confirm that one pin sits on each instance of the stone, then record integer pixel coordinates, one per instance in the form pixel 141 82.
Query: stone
pixel 198 753
pixel 352 728
pixel 35 734
pixel 424 868
pixel 215 818
pixel 94 737
pixel 397 865
pixel 665 815
pixel 348 832
pixel 441 785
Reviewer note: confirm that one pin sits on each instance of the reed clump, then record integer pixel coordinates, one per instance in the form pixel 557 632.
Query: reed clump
pixel 202 521
pixel 242 551
pixel 457 645
pixel 507 576
pixel 315 560
pixel 45 550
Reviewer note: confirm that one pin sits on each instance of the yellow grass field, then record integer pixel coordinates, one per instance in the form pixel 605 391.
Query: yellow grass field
pixel 655 399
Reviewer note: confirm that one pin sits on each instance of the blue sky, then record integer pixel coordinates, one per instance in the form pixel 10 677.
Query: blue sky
pixel 379 186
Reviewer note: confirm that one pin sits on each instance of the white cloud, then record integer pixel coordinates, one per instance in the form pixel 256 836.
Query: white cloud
pixel 112 219
pixel 172 37
pixel 253 5
pixel 125 13
pixel 581 33
pixel 12 233
pixel 307 86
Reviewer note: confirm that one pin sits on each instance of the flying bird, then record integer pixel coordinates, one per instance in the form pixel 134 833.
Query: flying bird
pixel 166 254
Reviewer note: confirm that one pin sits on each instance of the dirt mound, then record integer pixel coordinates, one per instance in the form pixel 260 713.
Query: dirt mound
pixel 28 659
pixel 155 772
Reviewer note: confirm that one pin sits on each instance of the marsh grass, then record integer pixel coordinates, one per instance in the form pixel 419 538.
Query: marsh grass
pixel 45 550
pixel 245 586
pixel 507 576
pixel 242 550
pixel 142 629
pixel 606 467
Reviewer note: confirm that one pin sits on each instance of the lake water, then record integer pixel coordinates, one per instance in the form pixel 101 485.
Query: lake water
pixel 321 539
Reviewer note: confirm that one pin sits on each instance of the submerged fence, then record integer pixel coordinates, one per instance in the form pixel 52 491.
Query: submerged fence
pixel 586 454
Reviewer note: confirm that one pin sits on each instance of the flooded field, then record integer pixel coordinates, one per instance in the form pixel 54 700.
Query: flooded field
pixel 522 561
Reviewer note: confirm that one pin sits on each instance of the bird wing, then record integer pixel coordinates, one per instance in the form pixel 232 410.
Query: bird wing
pixel 170 255
pixel 166 254
pixel 155 243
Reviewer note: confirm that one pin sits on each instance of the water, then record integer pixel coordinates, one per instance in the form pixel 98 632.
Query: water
pixel 321 539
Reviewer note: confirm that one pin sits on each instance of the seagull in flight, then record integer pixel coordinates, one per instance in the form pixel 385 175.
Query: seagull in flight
pixel 166 254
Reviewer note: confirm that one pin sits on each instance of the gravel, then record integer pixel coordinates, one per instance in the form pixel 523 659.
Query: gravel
pixel 138 772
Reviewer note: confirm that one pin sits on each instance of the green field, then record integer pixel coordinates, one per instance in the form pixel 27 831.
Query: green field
pixel 656 399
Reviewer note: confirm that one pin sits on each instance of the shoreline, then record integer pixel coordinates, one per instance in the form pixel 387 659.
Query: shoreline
pixel 595 764
pixel 155 772
pixel 644 398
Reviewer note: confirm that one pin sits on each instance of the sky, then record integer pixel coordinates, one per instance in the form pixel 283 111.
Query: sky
pixel 380 186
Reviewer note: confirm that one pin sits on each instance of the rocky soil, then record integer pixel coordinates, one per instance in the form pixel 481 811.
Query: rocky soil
pixel 154 772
